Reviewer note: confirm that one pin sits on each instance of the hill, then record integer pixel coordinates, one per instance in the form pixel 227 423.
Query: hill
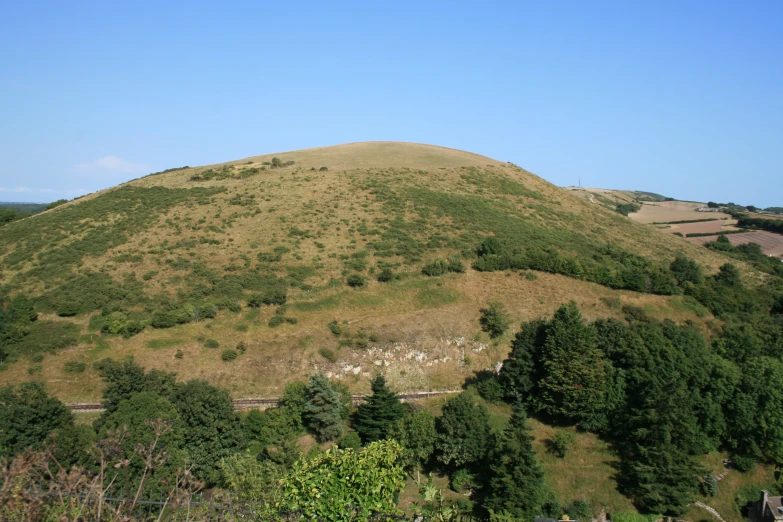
pixel 176 267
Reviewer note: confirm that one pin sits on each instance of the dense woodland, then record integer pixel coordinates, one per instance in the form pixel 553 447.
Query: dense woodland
pixel 662 393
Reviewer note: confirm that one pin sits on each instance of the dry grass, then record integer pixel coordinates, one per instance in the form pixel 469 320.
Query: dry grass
pixel 666 211
pixel 434 317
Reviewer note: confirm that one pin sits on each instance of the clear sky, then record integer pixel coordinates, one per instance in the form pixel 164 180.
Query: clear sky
pixel 679 97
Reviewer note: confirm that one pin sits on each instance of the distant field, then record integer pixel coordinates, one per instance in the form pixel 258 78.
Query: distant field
pixel 673 211
pixel 771 244
pixel 703 227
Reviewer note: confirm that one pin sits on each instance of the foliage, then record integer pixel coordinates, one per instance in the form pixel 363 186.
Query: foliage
pixel 345 484
pixel 323 410
pixel 228 355
pixel 275 320
pixel 416 433
pixel 376 417
pixel 211 343
pixel 27 416
pixel 385 275
pixel 561 442
pixel 515 483
pixel 211 428
pixel 463 431
pixel 335 328
pixel 356 280
pixel 494 319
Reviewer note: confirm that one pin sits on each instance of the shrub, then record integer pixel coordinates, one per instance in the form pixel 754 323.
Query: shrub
pixel 456 265
pixel 228 355
pixel 350 441
pixel 241 327
pixel 328 354
pixel 385 275
pixel 561 442
pixel 323 169
pixel 462 481
pixel 580 510
pixel 709 486
pixel 275 321
pixel 494 319
pixel 241 346
pixel 334 327
pixel 179 354
pixel 490 246
pixel 291 320
pixel 743 464
pixel 435 268
pixel 356 281
pixel 211 343
pixel 74 367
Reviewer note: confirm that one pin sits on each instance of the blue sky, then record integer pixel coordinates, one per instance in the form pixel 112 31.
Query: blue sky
pixel 682 98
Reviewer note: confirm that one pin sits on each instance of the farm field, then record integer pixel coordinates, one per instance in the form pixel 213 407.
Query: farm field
pixel 704 227
pixel 771 244
pixel 666 211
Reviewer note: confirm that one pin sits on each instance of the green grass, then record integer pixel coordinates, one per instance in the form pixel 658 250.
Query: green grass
pixel 163 343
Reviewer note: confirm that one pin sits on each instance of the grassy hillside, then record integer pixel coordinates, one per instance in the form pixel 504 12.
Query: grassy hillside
pixel 165 267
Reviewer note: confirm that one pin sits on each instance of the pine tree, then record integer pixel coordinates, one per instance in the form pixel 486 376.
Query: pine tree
pixel 515 484
pixel 323 411
pixel 573 383
pixel 376 417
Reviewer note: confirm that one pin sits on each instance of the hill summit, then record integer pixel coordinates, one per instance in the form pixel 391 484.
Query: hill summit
pixel 344 259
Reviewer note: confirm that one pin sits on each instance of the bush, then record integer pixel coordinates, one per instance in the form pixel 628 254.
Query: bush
pixel 291 320
pixel 179 354
pixel 743 464
pixel 74 367
pixel 228 355
pixel 328 354
pixel 435 268
pixel 385 275
pixel 241 346
pixel 456 265
pixel 490 246
pixel 580 510
pixel 275 296
pixel 561 442
pixel 462 481
pixel 211 343
pixel 350 441
pixel 494 319
pixel 356 281
pixel 334 327
pixel 709 486
pixel 276 320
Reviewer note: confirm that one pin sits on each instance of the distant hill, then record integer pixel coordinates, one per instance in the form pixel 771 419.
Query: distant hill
pixel 176 267
pixel 26 208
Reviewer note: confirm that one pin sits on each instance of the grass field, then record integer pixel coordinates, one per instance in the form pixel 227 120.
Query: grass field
pixel 666 211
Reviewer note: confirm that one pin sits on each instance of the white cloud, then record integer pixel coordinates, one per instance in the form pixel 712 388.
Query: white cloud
pixel 16 189
pixel 112 164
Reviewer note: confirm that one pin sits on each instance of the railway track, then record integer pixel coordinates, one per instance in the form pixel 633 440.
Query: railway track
pixel 271 402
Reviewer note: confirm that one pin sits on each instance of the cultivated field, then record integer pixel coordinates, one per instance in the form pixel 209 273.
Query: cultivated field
pixel 771 244
pixel 704 227
pixel 666 211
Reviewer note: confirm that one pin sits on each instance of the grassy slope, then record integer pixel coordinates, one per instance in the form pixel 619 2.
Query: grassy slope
pixel 441 200
pixel 419 331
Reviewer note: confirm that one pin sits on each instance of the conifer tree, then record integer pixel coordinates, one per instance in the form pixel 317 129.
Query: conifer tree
pixel 323 411
pixel 515 483
pixel 376 417
pixel 573 384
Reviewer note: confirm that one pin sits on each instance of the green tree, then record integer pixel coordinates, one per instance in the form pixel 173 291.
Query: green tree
pixel 293 402
pixel 416 433
pixel 686 270
pixel 573 380
pixel 344 484
pixel 323 412
pixel 376 417
pixel 146 418
pixel 756 411
pixel 463 431
pixel 211 427
pixel 125 379
pixel 729 275
pixel 494 319
pixel 515 483
pixel 521 370
pixel 27 416
pixel 72 444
